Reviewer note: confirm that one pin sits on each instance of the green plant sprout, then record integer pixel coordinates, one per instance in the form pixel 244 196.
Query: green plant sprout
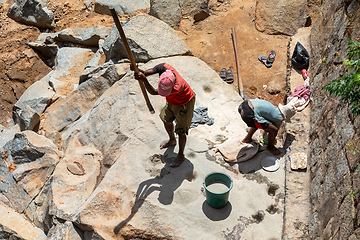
pixel 356 150
pixel 353 193
pixel 340 197
pixel 347 87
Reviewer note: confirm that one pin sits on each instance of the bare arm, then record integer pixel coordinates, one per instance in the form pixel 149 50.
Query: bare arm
pixel 146 72
pixel 149 72
pixel 142 77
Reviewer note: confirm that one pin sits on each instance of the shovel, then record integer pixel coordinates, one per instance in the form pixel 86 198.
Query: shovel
pixel 131 57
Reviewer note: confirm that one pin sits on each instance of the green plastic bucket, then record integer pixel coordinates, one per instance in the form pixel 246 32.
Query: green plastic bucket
pixel 217 186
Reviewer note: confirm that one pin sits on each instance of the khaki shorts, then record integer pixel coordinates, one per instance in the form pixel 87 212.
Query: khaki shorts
pixel 182 114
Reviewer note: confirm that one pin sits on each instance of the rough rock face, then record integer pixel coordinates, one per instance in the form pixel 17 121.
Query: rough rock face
pixel 121 6
pixel 29 162
pixel 148 37
pixel 32 12
pixel 59 115
pixel 74 179
pixel 27 110
pixel 104 187
pixel 167 11
pixel 141 203
pixel 280 17
pixel 334 134
pixel 34 101
pixel 88 36
pixel 173 11
pixel 15 226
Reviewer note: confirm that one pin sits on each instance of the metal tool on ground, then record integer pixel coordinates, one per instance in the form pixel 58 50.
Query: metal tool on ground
pixel 239 82
pixel 131 57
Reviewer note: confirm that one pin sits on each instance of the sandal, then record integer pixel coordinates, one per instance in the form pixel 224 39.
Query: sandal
pixel 229 76
pixel 223 74
pixel 263 59
pixel 271 57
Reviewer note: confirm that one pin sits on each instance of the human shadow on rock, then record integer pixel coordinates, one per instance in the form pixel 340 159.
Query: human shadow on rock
pixel 166 182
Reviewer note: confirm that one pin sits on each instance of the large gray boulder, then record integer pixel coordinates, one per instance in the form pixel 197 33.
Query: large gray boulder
pixel 67 110
pixel 114 182
pixel 15 226
pixel 173 11
pixel 7 134
pixel 88 36
pixel 33 102
pixel 167 11
pixel 280 17
pixel 148 37
pixel 147 196
pixel 121 6
pixel 30 161
pixel 70 62
pixel 59 83
pixel 32 12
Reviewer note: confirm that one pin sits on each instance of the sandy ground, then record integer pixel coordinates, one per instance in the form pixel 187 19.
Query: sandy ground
pixel 210 40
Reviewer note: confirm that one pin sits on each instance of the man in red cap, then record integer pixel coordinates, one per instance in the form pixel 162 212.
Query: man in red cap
pixel 180 101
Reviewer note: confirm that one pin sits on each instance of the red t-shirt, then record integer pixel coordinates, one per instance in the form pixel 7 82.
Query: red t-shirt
pixel 182 92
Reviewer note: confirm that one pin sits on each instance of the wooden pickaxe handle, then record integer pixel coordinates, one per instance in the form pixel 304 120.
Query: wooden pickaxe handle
pixel 239 82
pixel 131 57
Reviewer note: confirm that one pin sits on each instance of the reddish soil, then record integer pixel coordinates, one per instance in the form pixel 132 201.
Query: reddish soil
pixel 209 39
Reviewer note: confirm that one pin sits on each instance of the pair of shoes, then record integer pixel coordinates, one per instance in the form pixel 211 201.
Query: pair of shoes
pixel 268 61
pixel 227 75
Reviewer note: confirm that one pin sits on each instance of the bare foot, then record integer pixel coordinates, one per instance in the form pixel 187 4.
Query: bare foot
pixel 178 160
pixel 273 149
pixel 167 143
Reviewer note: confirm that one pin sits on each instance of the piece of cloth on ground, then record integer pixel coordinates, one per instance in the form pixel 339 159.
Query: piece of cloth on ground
pixel 300 98
pixel 301 91
pixel 298 104
pixel 235 151
pixel 200 116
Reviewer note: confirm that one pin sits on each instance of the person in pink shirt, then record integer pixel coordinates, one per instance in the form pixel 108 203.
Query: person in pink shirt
pixel 180 101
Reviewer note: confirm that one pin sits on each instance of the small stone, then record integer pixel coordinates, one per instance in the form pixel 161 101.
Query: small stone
pixel 298 160
pixel 259 216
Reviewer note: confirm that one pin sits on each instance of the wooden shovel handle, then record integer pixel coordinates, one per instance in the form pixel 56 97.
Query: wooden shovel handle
pixel 131 57
pixel 239 82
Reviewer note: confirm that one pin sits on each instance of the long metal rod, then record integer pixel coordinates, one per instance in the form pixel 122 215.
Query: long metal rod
pixel 239 82
pixel 131 57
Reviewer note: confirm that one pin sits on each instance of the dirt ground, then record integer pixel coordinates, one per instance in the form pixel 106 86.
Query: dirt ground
pixel 209 39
